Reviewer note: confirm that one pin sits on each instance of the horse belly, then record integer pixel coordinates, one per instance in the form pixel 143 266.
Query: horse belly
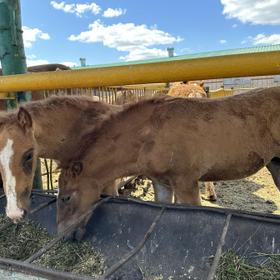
pixel 237 169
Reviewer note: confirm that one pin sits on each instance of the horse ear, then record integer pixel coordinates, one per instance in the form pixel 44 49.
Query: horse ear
pixel 76 168
pixel 24 118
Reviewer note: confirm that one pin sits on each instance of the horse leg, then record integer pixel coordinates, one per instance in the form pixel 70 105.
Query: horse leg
pixel 210 193
pixel 162 193
pixel 187 191
pixel 274 168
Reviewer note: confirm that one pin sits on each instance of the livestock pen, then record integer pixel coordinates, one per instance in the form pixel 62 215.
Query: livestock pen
pixel 139 250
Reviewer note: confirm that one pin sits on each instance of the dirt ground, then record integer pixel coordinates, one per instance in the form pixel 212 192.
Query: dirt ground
pixel 256 193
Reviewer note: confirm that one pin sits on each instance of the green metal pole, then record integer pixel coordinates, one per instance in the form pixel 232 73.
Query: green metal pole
pixel 11 44
pixel 12 55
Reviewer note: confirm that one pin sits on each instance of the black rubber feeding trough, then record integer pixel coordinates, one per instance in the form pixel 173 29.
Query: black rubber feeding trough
pixel 143 240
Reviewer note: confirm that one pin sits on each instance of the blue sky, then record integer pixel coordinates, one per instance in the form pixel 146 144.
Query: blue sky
pixel 113 31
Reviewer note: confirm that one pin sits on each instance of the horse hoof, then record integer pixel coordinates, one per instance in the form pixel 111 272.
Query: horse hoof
pixel 209 198
pixel 212 198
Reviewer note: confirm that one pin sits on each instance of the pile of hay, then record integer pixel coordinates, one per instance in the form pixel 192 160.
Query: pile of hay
pixel 79 258
pixel 233 267
pixel 20 241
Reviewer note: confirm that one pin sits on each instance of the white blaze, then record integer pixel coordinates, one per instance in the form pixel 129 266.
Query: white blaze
pixel 12 210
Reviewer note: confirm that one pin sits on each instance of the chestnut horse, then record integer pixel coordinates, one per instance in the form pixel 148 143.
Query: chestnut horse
pixel 188 89
pixel 52 128
pixel 184 90
pixel 193 90
pixel 227 138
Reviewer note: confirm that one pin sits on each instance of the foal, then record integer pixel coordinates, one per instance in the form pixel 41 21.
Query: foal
pixel 228 138
pixel 52 128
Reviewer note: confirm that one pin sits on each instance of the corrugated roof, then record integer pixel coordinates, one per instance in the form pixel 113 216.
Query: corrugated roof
pixel 260 49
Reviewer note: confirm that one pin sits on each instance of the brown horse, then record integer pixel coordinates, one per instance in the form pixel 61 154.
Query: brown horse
pixel 228 138
pixel 193 90
pixel 52 128
pixel 125 96
pixel 188 89
pixel 185 90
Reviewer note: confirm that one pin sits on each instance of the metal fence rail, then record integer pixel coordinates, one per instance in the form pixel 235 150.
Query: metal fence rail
pixel 255 61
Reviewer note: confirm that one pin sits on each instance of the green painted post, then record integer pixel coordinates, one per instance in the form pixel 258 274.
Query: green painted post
pixel 11 44
pixel 12 54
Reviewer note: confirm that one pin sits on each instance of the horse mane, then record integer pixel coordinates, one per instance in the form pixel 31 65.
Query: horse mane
pixel 7 118
pixel 57 102
pixel 91 108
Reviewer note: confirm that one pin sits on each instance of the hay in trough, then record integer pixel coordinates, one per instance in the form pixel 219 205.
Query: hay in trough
pixel 79 258
pixel 233 267
pixel 20 241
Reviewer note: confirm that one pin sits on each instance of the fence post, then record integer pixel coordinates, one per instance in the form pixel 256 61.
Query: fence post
pixel 12 54
pixel 11 47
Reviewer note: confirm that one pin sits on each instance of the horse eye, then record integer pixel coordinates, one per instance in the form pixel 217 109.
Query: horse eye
pixel 65 199
pixel 27 160
pixel 29 156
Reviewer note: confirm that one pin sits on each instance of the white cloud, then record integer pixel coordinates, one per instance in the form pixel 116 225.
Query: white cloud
pixel 31 35
pixel 127 37
pixel 69 63
pixel 262 39
pixel 31 60
pixel 109 13
pixel 34 62
pixel 223 41
pixel 141 52
pixel 234 25
pixel 253 11
pixel 77 9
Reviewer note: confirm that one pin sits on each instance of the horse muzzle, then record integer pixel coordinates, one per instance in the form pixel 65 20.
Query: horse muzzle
pixel 15 214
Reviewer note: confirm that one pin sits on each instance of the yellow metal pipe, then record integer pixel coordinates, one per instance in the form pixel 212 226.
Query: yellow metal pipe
pixel 236 65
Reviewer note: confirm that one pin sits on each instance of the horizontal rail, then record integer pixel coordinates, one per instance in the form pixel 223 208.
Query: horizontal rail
pixel 235 64
pixel 34 270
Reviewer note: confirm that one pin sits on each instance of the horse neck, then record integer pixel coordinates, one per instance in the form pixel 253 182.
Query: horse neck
pixel 116 151
pixel 58 132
